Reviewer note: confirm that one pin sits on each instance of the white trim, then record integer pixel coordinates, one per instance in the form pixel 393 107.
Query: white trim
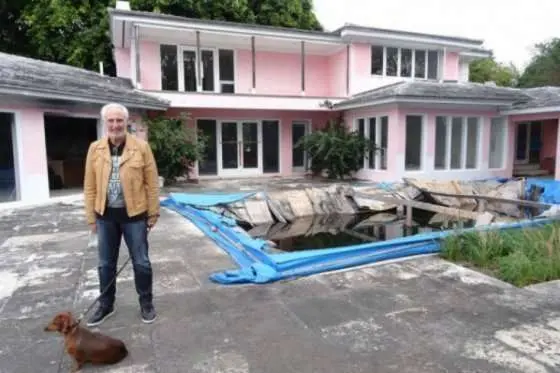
pixel 378 120
pixel 223 29
pixel 403 100
pixel 539 110
pixel 475 55
pixel 433 40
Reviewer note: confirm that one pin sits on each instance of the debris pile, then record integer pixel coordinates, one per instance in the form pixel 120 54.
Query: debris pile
pixel 481 201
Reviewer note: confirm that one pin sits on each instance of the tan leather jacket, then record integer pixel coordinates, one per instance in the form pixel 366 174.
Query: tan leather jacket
pixel 138 174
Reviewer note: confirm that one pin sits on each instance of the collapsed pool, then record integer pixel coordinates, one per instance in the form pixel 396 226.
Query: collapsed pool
pixel 262 259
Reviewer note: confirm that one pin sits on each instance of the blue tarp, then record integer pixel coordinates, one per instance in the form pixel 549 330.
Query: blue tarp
pixel 257 265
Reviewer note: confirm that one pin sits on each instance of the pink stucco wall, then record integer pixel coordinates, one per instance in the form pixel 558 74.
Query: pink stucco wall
pixel 122 62
pixel 549 138
pixel 318 120
pixel 451 71
pixel 337 73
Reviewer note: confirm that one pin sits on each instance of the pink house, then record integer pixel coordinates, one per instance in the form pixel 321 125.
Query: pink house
pixel 256 90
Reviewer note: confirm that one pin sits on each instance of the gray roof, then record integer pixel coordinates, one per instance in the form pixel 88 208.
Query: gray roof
pixel 335 33
pixel 541 97
pixel 36 78
pixel 427 90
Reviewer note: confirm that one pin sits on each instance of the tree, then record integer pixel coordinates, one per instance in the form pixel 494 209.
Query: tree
pixel 544 68
pixel 487 69
pixel 76 32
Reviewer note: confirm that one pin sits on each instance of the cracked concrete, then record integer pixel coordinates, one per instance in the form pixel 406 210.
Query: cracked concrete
pixel 421 315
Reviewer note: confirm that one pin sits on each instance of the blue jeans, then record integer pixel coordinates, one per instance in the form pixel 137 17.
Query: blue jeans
pixel 109 234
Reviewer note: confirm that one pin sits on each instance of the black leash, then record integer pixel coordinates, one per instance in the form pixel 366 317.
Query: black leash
pixel 101 294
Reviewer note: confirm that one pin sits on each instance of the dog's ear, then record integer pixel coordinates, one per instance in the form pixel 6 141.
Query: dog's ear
pixel 66 322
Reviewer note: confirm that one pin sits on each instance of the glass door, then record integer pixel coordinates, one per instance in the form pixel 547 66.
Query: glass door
pixel 522 143
pixel 240 148
pixel 299 156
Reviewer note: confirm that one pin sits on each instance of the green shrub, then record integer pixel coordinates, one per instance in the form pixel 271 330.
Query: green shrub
pixel 176 147
pixel 521 257
pixel 335 149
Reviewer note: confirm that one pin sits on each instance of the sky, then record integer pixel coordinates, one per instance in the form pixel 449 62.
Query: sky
pixel 510 28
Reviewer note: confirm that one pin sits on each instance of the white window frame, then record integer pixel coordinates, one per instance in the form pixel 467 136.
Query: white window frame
pixel 505 135
pixel 464 139
pixel 355 126
pixel 399 59
pixel 220 82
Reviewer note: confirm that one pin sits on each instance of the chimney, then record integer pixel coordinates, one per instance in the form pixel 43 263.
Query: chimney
pixel 122 5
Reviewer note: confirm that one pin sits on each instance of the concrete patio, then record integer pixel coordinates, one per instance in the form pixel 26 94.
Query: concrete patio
pixel 422 315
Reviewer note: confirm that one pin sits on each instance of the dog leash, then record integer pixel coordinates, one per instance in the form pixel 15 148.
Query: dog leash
pixel 101 294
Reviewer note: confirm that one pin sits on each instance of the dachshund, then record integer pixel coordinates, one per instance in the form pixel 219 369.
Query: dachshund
pixel 86 346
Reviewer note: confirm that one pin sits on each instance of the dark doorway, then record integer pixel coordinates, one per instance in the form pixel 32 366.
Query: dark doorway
pixel 8 185
pixel 67 142
pixel 209 165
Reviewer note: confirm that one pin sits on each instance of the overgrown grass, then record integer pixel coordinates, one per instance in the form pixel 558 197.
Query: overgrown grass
pixel 521 257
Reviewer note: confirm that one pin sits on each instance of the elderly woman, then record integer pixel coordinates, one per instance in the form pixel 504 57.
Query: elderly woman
pixel 121 192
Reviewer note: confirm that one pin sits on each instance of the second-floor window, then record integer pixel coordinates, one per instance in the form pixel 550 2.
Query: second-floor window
pixel 404 62
pixel 180 71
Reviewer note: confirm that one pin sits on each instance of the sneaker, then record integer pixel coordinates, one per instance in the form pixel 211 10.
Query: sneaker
pixel 100 315
pixel 148 314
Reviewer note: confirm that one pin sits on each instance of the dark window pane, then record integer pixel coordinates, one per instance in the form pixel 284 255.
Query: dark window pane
pixel 298 154
pixel 392 61
pixel 373 142
pixel 208 70
pixel 226 64
pixel 406 63
pixel 7 165
pixel 420 64
pixel 189 67
pixel 440 160
pixel 227 88
pixel 250 145
pixel 472 142
pixel 209 165
pixel 384 142
pixel 456 143
pixel 230 145
pixel 169 76
pixel 376 60
pixel 413 141
pixel 271 146
pixel 432 64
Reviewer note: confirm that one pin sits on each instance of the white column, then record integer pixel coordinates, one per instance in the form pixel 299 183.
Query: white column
pixel 31 165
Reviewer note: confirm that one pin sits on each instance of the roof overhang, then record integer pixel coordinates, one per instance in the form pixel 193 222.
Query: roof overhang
pixel 54 95
pixel 122 21
pixel 474 103
pixel 349 34
pixel 536 110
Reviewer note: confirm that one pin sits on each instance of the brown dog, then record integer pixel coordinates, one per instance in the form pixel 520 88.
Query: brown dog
pixel 85 346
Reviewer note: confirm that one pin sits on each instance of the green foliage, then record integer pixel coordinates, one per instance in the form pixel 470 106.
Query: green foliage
pixel 487 69
pixel 544 68
pixel 335 149
pixel 76 32
pixel 176 147
pixel 521 257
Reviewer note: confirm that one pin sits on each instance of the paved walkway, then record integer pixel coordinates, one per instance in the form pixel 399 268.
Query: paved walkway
pixel 417 316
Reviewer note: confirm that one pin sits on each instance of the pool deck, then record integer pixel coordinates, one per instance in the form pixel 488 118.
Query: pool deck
pixel 422 315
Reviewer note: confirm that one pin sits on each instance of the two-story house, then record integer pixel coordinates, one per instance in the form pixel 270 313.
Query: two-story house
pixel 254 91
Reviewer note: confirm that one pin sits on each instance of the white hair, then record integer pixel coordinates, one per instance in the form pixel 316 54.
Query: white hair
pixel 114 105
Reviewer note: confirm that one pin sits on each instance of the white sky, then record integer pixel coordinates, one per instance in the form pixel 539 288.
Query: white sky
pixel 509 27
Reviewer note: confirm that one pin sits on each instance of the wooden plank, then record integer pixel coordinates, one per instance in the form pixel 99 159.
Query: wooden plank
pixel 424 206
pixel 519 202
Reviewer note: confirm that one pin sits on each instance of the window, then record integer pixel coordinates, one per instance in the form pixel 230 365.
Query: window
pixel 227 80
pixel 404 62
pixel 376 60
pixel 169 76
pixel 376 130
pixel 180 70
pixel 497 142
pixel 413 143
pixel 457 143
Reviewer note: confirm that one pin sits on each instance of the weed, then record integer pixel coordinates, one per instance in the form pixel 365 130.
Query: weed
pixel 521 257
